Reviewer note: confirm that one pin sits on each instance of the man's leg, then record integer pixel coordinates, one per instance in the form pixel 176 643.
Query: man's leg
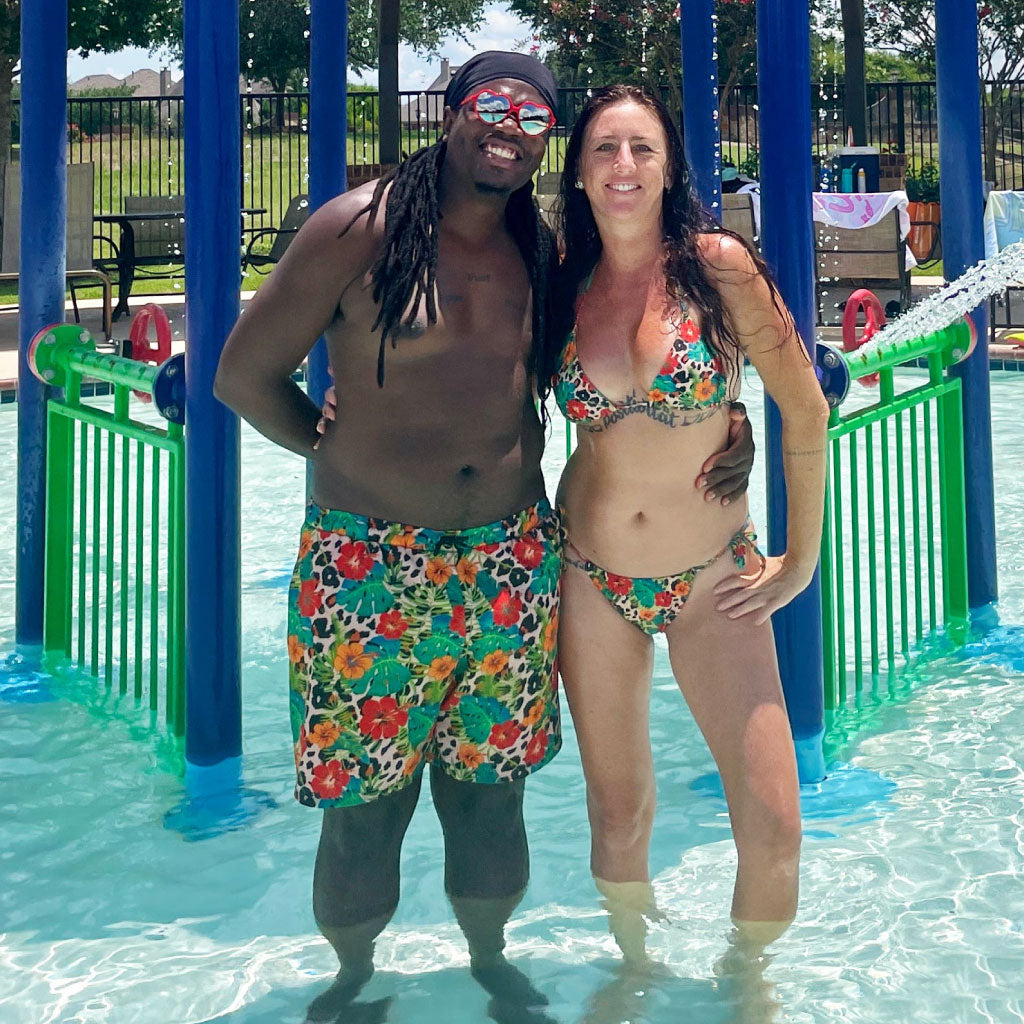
pixel 487 866
pixel 356 881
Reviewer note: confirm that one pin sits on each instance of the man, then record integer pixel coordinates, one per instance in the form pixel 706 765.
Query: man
pixel 423 617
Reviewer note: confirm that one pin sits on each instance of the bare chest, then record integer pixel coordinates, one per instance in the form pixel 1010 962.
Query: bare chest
pixel 622 344
pixel 479 326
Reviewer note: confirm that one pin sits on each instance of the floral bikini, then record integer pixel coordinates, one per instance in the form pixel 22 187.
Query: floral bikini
pixel 692 378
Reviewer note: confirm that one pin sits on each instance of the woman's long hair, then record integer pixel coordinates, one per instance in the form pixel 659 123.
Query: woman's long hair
pixel 683 217
pixel 406 272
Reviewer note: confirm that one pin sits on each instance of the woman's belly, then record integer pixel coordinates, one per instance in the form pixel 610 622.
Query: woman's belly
pixel 630 502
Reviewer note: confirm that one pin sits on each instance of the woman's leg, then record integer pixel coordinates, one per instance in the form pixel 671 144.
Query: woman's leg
pixel 728 673
pixel 605 664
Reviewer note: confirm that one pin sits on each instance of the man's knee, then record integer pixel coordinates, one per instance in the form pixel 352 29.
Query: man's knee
pixel 486 854
pixel 475 805
pixel 356 877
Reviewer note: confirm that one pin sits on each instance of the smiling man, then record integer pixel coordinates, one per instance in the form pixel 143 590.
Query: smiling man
pixel 423 610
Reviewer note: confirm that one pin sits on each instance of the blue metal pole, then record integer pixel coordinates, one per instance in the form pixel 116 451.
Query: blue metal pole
pixel 328 133
pixel 698 28
pixel 963 245
pixel 213 199
pixel 783 81
pixel 44 128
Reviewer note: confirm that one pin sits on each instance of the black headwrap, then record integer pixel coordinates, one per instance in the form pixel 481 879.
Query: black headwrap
pixel 493 64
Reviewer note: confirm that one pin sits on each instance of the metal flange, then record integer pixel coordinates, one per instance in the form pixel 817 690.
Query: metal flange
pixel 169 389
pixel 833 374
pixel 48 349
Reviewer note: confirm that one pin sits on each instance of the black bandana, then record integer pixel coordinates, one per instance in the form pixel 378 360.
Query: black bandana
pixel 493 64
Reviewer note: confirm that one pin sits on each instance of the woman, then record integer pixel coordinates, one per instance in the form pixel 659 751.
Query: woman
pixel 667 305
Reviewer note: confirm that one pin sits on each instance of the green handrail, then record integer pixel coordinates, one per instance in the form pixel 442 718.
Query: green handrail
pixel 115 565
pixel 879 588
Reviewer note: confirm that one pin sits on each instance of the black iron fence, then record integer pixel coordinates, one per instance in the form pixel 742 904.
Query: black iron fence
pixel 137 144
pixel 902 118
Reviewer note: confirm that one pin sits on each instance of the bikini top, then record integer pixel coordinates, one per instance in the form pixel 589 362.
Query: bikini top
pixel 692 377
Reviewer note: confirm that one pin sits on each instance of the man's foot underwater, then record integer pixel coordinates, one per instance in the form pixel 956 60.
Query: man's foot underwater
pixel 348 983
pixel 506 983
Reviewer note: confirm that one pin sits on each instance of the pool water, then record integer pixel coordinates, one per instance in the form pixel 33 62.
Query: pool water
pixel 912 903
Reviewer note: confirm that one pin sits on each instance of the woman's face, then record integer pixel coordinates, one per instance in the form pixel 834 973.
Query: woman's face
pixel 624 163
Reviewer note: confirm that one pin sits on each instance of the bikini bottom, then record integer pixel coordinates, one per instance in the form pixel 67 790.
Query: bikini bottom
pixel 652 602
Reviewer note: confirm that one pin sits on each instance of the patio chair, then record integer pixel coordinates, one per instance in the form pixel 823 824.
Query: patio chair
pixel 1004 225
pixel 80 198
pixel 863 257
pixel 295 216
pixel 549 184
pixel 158 242
pixel 738 215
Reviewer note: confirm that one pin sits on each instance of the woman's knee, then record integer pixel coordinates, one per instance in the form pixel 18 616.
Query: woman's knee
pixel 621 816
pixel 774 833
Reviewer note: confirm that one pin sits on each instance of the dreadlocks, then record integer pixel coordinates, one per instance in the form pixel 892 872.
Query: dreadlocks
pixel 406 271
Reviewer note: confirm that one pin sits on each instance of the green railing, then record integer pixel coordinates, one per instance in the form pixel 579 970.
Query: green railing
pixel 115 498
pixel 894 545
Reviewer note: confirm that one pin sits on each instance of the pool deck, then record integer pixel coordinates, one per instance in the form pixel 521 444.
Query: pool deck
pixel 1007 353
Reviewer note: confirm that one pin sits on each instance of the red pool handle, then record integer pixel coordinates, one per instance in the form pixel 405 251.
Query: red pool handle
pixel 874 321
pixel 145 350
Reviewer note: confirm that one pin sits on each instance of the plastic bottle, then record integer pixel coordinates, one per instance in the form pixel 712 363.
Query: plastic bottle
pixel 862 180
pixel 846 180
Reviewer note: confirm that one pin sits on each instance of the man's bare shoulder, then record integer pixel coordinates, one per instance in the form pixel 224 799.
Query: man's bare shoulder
pixel 344 234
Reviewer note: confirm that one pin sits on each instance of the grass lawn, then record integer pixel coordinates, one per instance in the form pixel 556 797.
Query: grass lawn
pixel 155 287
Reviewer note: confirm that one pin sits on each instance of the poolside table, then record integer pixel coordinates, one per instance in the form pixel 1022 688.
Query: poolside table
pixel 126 259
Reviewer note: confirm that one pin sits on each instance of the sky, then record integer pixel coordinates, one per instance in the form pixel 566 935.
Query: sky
pixel 501 30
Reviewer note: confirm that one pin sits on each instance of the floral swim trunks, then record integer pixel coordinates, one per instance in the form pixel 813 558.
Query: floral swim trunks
pixel 409 644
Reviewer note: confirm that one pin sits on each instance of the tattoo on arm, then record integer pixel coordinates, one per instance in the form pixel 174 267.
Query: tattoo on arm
pixel 803 453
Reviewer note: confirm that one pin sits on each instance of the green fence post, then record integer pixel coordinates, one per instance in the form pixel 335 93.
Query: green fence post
pixel 60 491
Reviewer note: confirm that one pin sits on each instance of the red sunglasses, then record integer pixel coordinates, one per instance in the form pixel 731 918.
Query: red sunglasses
pixel 493 107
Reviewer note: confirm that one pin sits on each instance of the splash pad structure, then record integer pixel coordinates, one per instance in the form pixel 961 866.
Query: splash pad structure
pixel 212 716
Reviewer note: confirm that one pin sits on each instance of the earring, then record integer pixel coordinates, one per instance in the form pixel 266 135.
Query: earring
pixel 579 183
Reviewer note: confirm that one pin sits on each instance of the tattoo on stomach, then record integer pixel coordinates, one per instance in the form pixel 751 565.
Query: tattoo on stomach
pixel 658 413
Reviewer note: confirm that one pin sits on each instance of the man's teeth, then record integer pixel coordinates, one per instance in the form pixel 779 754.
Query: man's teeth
pixel 505 154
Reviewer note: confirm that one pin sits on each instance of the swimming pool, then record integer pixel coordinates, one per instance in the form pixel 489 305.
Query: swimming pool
pixel 912 904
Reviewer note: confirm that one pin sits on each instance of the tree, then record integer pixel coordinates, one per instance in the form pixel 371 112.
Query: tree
pixel 423 26
pixel 619 40
pixel 908 27
pixel 274 41
pixel 274 33
pixel 101 25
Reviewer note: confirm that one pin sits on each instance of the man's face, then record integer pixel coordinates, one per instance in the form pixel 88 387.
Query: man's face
pixel 497 158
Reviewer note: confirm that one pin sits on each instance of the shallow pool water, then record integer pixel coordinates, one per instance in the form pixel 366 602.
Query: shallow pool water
pixel 912 888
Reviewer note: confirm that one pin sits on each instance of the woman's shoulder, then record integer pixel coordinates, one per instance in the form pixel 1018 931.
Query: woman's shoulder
pixel 723 253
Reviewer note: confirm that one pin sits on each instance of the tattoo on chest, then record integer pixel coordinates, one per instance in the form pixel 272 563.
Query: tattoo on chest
pixel 658 413
pixel 478 278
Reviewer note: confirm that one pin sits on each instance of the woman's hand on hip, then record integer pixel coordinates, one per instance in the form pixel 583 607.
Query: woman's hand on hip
pixel 760 596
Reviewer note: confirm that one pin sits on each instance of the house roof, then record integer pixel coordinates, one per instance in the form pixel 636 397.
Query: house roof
pixel 95 82
pixel 146 82
pixel 428 106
